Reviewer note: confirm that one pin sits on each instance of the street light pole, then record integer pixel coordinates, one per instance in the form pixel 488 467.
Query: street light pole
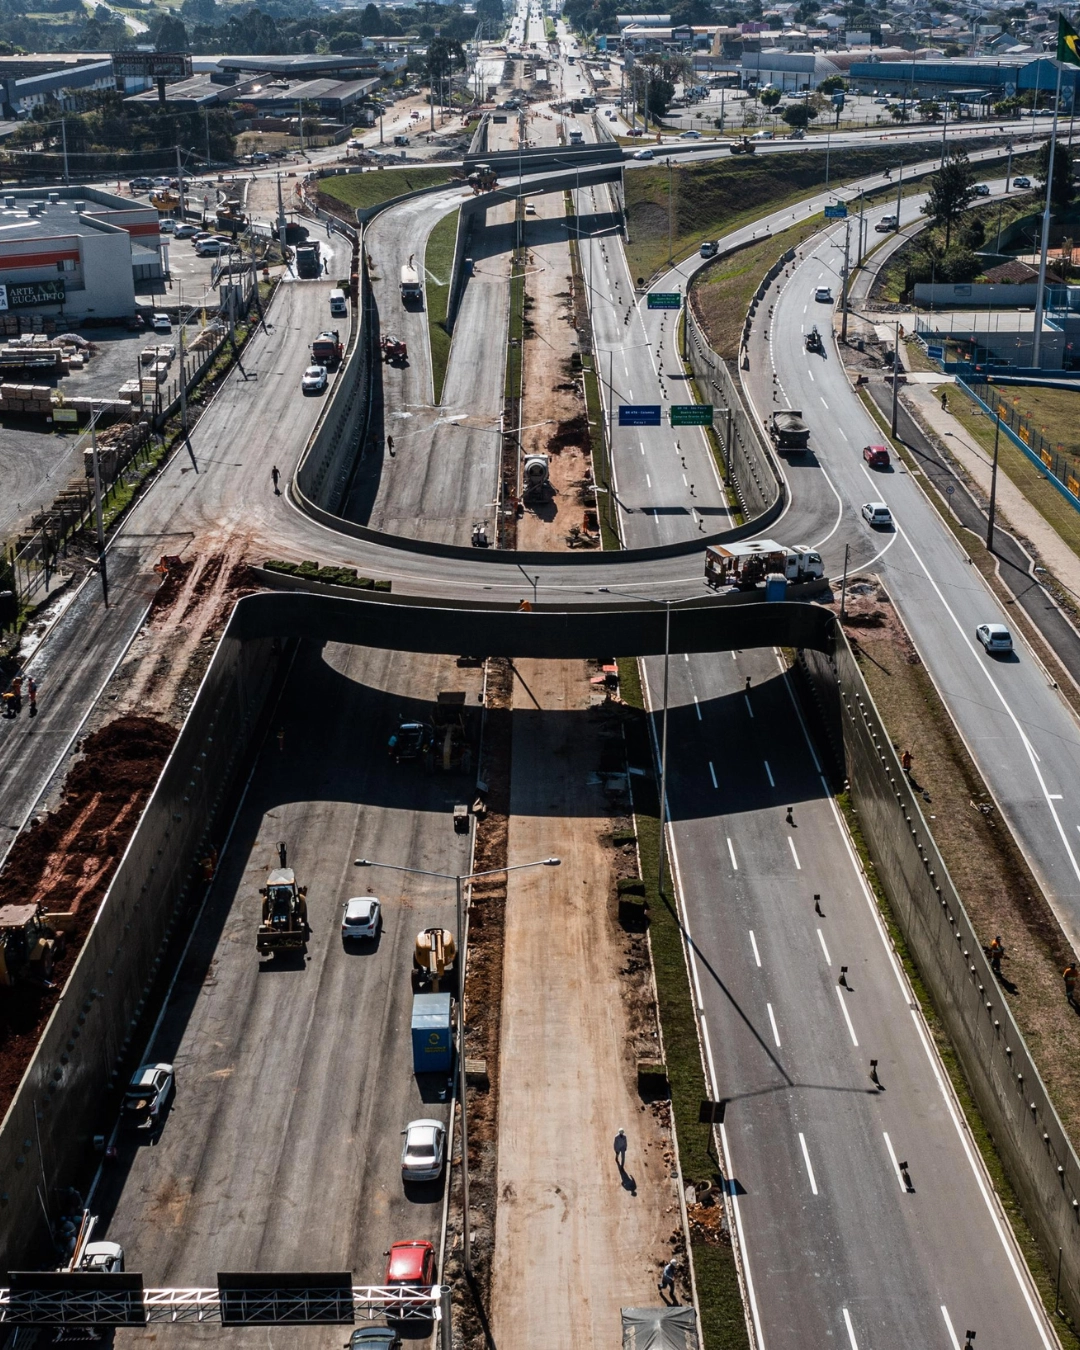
pixel 459 879
pixel 663 745
pixel 895 376
pixel 993 482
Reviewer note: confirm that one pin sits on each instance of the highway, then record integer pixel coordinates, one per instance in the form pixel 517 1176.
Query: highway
pixel 294 1079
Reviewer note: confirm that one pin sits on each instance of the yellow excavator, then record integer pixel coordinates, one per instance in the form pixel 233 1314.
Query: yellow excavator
pixel 30 943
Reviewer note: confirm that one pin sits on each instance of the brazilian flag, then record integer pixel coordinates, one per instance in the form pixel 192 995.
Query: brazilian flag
pixel 1068 44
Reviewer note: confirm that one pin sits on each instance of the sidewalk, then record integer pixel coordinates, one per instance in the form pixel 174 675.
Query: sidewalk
pixel 1014 509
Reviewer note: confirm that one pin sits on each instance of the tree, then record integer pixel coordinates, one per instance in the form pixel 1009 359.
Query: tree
pixel 951 191
pixel 370 21
pixel 444 56
pixel 770 98
pixel 1061 190
pixel 832 84
pixel 171 35
pixel 899 113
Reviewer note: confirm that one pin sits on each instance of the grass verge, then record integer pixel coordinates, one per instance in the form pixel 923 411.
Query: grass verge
pixel 515 349
pixel 438 264
pixel 723 1319
pixel 723 292
pixel 362 190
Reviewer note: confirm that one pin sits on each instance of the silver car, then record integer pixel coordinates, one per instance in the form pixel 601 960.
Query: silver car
pixel 362 918
pixel 422 1155
pixel 877 514
pixel 995 637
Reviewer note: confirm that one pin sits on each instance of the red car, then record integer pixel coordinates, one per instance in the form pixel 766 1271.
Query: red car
pixel 411 1265
pixel 876 456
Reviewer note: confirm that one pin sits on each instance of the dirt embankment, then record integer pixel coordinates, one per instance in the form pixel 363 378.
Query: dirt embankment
pixel 65 862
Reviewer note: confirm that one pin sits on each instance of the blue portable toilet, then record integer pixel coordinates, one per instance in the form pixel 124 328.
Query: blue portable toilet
pixel 432 1037
pixel 775 586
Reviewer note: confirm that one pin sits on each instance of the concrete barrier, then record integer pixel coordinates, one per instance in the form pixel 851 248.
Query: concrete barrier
pixel 69 1091
pixel 1038 1156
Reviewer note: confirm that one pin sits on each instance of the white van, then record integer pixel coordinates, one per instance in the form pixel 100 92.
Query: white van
pixel 337 304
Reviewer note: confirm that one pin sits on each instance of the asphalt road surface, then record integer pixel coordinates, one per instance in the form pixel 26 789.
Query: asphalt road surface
pixel 294 1078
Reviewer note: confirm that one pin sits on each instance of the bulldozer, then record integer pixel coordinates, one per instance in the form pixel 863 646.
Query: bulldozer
pixel 483 179
pixel 29 944
pixel 284 926
pixel 433 960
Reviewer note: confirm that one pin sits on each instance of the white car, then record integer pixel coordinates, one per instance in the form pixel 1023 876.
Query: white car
pixel 643 154
pixel 167 226
pixel 422 1155
pixel 995 637
pixel 184 231
pixel 982 189
pixel 210 248
pixel 362 918
pixel 877 514
pixel 313 380
pixel 162 323
pixel 824 294
pixel 103 1258
pixel 1021 181
pixel 690 135
pixel 147 1095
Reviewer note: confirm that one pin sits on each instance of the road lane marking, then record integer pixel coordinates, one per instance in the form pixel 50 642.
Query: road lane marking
pixel 841 431
pixel 895 1164
pixel 712 774
pixel 811 374
pixel 748 707
pixel 850 1330
pixel 809 1164
pixel 847 1017
pixel 944 1310
pixel 821 939
pixel 791 845
pixel 772 1023
pixel 1055 796
pixel 648 480
pixel 772 784
pixel 822 397
pixel 731 851
pixel 697 705
pixel 753 943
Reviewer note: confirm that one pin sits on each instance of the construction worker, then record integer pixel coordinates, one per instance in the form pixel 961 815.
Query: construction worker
pixel 905 762
pixel 1070 975
pixel 996 951
pixel 390 445
pixel 16 694
pixel 274 475
pixel 944 401
pixel 31 691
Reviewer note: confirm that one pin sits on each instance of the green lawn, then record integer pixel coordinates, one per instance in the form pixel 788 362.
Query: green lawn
pixel 361 190
pixel 438 264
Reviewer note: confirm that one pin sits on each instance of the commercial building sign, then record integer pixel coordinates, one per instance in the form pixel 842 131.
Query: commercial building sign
pixel 20 295
pixel 168 66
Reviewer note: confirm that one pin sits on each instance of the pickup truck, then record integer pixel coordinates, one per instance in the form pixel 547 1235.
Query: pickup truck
pixel 788 430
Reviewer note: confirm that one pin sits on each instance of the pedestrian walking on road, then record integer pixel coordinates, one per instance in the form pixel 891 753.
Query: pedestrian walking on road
pixel 390 445
pixel 905 762
pixel 1070 975
pixel 281 738
pixel 275 476
pixel 31 694
pixel 667 1280
pixel 997 951
pixel 620 1150
pixel 944 401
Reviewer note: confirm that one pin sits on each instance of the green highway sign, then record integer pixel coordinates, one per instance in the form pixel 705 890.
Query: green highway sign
pixel 664 300
pixel 691 414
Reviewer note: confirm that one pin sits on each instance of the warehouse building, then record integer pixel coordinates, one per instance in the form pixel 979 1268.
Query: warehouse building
pixel 30 81
pixel 76 251
pixel 995 77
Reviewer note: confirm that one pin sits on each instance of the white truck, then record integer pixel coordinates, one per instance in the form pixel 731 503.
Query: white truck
pixel 747 564
pixel 412 292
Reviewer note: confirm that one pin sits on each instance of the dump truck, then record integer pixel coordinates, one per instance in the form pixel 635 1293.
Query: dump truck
pixel 433 959
pixel 308 259
pixel 450 748
pixel 788 430
pixel 747 564
pixel 284 926
pixel 743 146
pixel 412 292
pixel 31 941
pixel 327 350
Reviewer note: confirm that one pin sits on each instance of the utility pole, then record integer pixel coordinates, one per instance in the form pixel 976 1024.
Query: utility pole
pixel 993 481
pixel 844 289
pixel 899 195
pixel 1036 348
pixel 206 123
pixel 281 217
pixel 828 146
pixel 63 134
pixel 300 107
pixel 895 376
pixel 944 129
pixel 180 181
pixel 669 213
pixel 97 513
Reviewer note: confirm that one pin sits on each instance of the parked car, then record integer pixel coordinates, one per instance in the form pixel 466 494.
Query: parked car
pixel 882 102
pixel 982 189
pixel 162 323
pixel 422 1153
pixel 313 380
pixel 163 182
pixel 643 154
pixel 167 226
pixel 690 135
pixel 147 1095
pixel 362 917
pixel 209 248
pixel 995 637
pixel 140 185
pixel 410 1266
pixel 876 456
pixel 374 1338
pixel 824 294
pixel 184 231
pixel 1021 181
pixel 877 514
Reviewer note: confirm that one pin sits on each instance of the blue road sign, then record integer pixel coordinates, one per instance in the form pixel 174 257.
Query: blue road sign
pixel 937 353
pixel 837 212
pixel 639 415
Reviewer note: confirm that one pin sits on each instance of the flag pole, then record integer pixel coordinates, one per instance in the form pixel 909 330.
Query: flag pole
pixel 1036 346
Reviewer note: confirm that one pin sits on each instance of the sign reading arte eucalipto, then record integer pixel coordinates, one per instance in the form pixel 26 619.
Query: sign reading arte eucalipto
pixel 18 295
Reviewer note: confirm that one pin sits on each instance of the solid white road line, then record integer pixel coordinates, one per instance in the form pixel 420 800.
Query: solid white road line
pixel 731 853
pixel 847 1016
pixel 712 771
pixel 772 1023
pixel 841 429
pixel 822 397
pixel 821 939
pixel 753 943
pixel 850 1330
pixel 769 771
pixel 791 845
pixel 648 480
pixel 697 706
pixel 806 1156
pixel 944 1311
pixel 895 1164
pixel 748 707
pixel 734 1199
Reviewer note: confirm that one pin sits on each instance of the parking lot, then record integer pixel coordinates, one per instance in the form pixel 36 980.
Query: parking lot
pixel 294 1077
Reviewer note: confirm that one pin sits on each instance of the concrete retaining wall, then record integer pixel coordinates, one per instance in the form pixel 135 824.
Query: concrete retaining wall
pixel 750 464
pixel 977 294
pixel 1037 1154
pixel 68 1093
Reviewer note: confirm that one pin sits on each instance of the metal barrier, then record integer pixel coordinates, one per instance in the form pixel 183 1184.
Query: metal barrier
pixel 1064 469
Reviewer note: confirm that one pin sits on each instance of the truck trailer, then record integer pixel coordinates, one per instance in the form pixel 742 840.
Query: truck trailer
pixel 747 564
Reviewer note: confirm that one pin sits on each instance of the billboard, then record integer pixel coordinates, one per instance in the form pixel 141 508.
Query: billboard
pixel 19 295
pixel 169 66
